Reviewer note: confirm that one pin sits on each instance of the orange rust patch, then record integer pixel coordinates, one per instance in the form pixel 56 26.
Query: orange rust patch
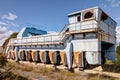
pixel 51 56
pixel 41 54
pixel 78 59
pixel 33 55
pixel 63 57
pixel 20 55
pixel 28 56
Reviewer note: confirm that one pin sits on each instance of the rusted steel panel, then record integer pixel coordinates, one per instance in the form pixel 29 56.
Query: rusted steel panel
pixel 51 56
pixel 78 59
pixel 20 55
pixel 28 55
pixel 13 55
pixel 33 55
pixel 41 54
pixel 63 57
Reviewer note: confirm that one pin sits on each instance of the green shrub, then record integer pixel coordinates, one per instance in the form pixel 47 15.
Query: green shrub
pixel 118 55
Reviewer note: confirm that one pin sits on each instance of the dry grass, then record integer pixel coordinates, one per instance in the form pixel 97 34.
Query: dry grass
pixel 64 75
pixel 56 74
pixel 11 76
pixel 42 70
pixel 16 66
pixel 101 77
pixel 27 68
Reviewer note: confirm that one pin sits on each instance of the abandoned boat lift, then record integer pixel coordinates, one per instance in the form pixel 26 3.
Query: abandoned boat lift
pixel 89 38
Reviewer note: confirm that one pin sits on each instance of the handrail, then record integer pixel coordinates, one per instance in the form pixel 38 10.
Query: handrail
pixel 64 28
pixel 48 38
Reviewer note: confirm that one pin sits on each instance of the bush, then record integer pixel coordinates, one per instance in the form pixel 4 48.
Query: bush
pixel 3 60
pixel 118 55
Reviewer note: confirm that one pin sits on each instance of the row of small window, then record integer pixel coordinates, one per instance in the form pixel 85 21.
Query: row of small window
pixel 91 35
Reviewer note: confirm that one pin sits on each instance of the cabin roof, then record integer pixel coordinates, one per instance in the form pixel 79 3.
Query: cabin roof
pixel 78 12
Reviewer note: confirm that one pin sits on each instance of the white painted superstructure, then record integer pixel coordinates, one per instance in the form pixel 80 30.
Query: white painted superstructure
pixel 90 33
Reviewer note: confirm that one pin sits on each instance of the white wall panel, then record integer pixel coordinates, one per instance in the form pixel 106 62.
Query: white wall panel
pixel 72 19
pixel 85 45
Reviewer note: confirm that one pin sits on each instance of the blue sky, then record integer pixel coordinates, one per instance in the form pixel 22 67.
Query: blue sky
pixel 50 15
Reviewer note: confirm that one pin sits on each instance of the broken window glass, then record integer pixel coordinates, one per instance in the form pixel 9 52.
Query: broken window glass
pixel 88 15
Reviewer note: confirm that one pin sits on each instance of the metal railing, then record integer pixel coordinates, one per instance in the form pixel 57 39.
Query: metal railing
pixel 46 39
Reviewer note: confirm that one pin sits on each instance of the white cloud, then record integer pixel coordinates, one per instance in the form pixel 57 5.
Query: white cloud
pixel 114 3
pixel 117 19
pixel 4 34
pixel 103 5
pixel 11 23
pixel 14 24
pixel 3 23
pixel 9 16
pixel 7 21
pixel 118 34
pixel 3 30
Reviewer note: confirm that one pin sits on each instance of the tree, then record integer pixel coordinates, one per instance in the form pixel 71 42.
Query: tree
pixel 13 35
pixel 118 55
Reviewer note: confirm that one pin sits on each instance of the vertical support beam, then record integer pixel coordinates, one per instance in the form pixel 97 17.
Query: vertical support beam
pixel 82 59
pixel 84 64
pixel 23 56
pixel 7 49
pixel 37 59
pixel 46 57
pixel 16 53
pixel 57 58
pixel 69 54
